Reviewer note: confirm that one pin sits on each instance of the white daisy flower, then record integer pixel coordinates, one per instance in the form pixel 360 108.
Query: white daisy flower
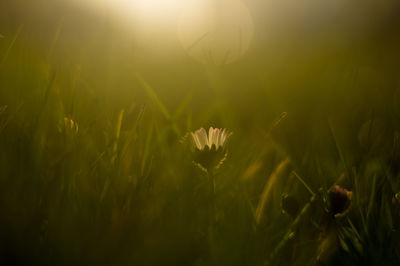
pixel 217 137
pixel 209 151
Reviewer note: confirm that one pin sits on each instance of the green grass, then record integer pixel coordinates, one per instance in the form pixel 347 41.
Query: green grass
pixel 93 171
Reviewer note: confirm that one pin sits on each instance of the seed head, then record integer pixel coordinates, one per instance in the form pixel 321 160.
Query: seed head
pixel 339 200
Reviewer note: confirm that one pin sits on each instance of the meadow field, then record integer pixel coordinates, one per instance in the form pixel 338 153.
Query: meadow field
pixel 98 125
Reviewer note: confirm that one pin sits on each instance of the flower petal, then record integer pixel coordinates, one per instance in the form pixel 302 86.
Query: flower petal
pixel 202 136
pixel 222 138
pixel 210 137
pixel 217 133
pixel 196 140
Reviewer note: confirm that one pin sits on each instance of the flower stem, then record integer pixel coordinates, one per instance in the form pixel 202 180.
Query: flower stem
pixel 212 214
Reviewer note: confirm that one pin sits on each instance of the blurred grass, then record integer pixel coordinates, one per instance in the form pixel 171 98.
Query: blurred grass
pixel 93 171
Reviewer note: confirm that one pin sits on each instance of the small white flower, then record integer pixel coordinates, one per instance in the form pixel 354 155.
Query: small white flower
pixel 217 137
pixel 208 150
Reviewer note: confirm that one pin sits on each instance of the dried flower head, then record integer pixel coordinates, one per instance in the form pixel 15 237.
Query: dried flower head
pixel 339 200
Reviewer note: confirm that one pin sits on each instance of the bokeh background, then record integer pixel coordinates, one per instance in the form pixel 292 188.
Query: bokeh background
pixel 95 97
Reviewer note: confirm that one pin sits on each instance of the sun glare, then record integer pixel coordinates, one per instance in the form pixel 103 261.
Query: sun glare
pixel 216 32
pixel 155 9
pixel 151 12
pixel 212 32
